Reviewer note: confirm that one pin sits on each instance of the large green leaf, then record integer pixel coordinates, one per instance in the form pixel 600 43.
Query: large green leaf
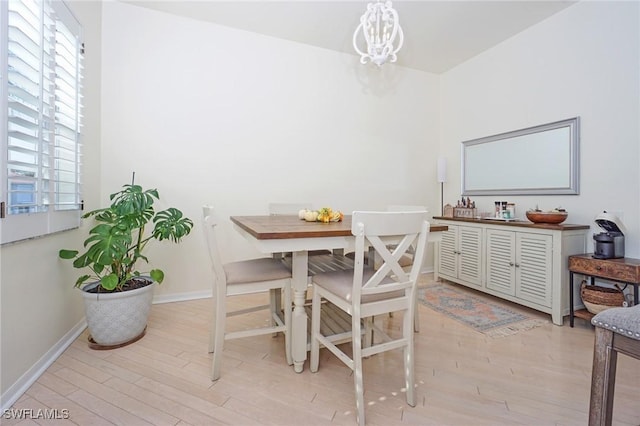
pixel 133 200
pixel 109 282
pixel 107 244
pixel 171 225
pixel 157 275
pixel 67 254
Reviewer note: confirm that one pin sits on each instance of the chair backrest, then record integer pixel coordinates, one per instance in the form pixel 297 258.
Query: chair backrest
pixel 209 224
pixel 287 208
pixel 405 229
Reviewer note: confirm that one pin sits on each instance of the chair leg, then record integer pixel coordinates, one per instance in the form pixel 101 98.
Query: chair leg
pixel 409 375
pixel 287 322
pixel 416 317
pixel 217 338
pixel 603 377
pixel 212 328
pixel 275 302
pixel 314 356
pixel 368 331
pixel 356 342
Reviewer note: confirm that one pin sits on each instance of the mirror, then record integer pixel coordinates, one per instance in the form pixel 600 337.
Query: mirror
pixel 540 160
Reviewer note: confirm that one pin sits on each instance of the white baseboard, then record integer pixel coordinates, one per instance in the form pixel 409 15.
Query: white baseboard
pixel 16 390
pixel 427 270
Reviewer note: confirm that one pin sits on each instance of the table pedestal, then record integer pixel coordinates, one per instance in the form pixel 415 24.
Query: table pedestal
pixel 299 316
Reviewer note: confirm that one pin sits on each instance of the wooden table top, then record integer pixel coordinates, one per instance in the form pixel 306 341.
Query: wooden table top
pixel 620 260
pixel 269 227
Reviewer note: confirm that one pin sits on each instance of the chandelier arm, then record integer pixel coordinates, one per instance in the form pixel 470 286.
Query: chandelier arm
pixel 355 41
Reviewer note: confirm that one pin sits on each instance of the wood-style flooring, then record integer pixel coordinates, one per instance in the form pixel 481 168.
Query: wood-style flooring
pixel 536 377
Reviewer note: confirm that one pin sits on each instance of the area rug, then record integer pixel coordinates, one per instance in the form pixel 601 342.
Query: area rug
pixel 490 318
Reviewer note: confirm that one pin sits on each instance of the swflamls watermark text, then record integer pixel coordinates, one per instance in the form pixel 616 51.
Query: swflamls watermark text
pixel 35 413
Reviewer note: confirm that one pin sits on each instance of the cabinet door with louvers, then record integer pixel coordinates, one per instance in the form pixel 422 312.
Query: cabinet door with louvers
pixel 534 271
pixel 501 261
pixel 470 255
pixel 448 253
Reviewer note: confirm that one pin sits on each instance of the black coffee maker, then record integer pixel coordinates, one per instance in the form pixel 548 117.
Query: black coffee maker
pixel 609 244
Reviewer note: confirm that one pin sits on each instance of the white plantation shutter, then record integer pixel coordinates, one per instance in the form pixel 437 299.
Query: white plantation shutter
pixel 41 112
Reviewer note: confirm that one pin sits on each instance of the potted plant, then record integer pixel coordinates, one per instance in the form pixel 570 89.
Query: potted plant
pixel 118 298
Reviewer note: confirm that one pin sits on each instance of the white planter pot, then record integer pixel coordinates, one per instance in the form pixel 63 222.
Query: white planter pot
pixel 115 319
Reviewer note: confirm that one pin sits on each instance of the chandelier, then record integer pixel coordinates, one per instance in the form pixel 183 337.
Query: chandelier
pixel 381 30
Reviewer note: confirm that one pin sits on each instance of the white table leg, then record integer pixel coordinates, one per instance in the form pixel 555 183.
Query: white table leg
pixel 299 317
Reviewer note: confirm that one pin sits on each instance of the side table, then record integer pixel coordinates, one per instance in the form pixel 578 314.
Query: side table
pixel 625 271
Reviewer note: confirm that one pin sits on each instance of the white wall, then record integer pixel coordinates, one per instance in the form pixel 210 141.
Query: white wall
pixel 209 114
pixel 39 307
pixel 583 61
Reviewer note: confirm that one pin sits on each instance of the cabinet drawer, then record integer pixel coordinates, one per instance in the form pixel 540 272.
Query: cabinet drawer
pixel 604 268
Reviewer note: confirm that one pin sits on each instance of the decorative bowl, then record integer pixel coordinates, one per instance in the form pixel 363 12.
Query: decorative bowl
pixel 546 217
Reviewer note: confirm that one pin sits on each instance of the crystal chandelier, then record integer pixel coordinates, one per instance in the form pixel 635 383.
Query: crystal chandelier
pixel 382 33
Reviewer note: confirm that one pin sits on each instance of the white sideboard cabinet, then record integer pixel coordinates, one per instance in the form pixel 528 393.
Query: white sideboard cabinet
pixel 522 262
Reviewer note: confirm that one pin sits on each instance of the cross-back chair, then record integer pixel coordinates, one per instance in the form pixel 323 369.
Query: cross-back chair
pixel 242 278
pixel 407 259
pixel 366 292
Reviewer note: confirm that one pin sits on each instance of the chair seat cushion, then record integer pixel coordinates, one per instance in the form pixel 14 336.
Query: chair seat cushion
pixel 625 321
pixel 340 283
pixel 256 270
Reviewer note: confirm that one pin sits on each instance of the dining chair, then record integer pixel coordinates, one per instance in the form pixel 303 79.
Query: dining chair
pixel 242 278
pixel 616 330
pixel 407 259
pixel 366 292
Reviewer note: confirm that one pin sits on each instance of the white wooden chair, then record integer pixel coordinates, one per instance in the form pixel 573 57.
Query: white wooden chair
pixel 407 260
pixel 241 278
pixel 364 293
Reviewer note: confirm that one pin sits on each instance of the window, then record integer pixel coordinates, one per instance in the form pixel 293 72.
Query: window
pixel 40 112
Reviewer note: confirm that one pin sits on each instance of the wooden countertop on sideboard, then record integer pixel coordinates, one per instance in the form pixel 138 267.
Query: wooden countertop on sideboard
pixel 519 223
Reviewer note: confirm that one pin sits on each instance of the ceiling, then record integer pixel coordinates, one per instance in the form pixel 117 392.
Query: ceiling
pixel 438 34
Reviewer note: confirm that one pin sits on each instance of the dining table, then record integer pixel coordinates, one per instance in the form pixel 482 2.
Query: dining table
pixel 287 233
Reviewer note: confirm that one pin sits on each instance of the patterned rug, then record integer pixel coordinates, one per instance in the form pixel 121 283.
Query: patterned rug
pixel 486 317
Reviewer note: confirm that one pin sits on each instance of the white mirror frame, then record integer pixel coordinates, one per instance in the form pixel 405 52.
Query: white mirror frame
pixel 539 160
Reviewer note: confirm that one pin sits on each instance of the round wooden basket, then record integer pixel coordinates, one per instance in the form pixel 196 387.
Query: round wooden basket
pixel 597 299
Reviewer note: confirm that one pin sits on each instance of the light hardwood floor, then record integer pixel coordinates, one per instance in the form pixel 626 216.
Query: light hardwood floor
pixel 536 377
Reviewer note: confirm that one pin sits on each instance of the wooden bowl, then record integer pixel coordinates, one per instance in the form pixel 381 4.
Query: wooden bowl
pixel 547 217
